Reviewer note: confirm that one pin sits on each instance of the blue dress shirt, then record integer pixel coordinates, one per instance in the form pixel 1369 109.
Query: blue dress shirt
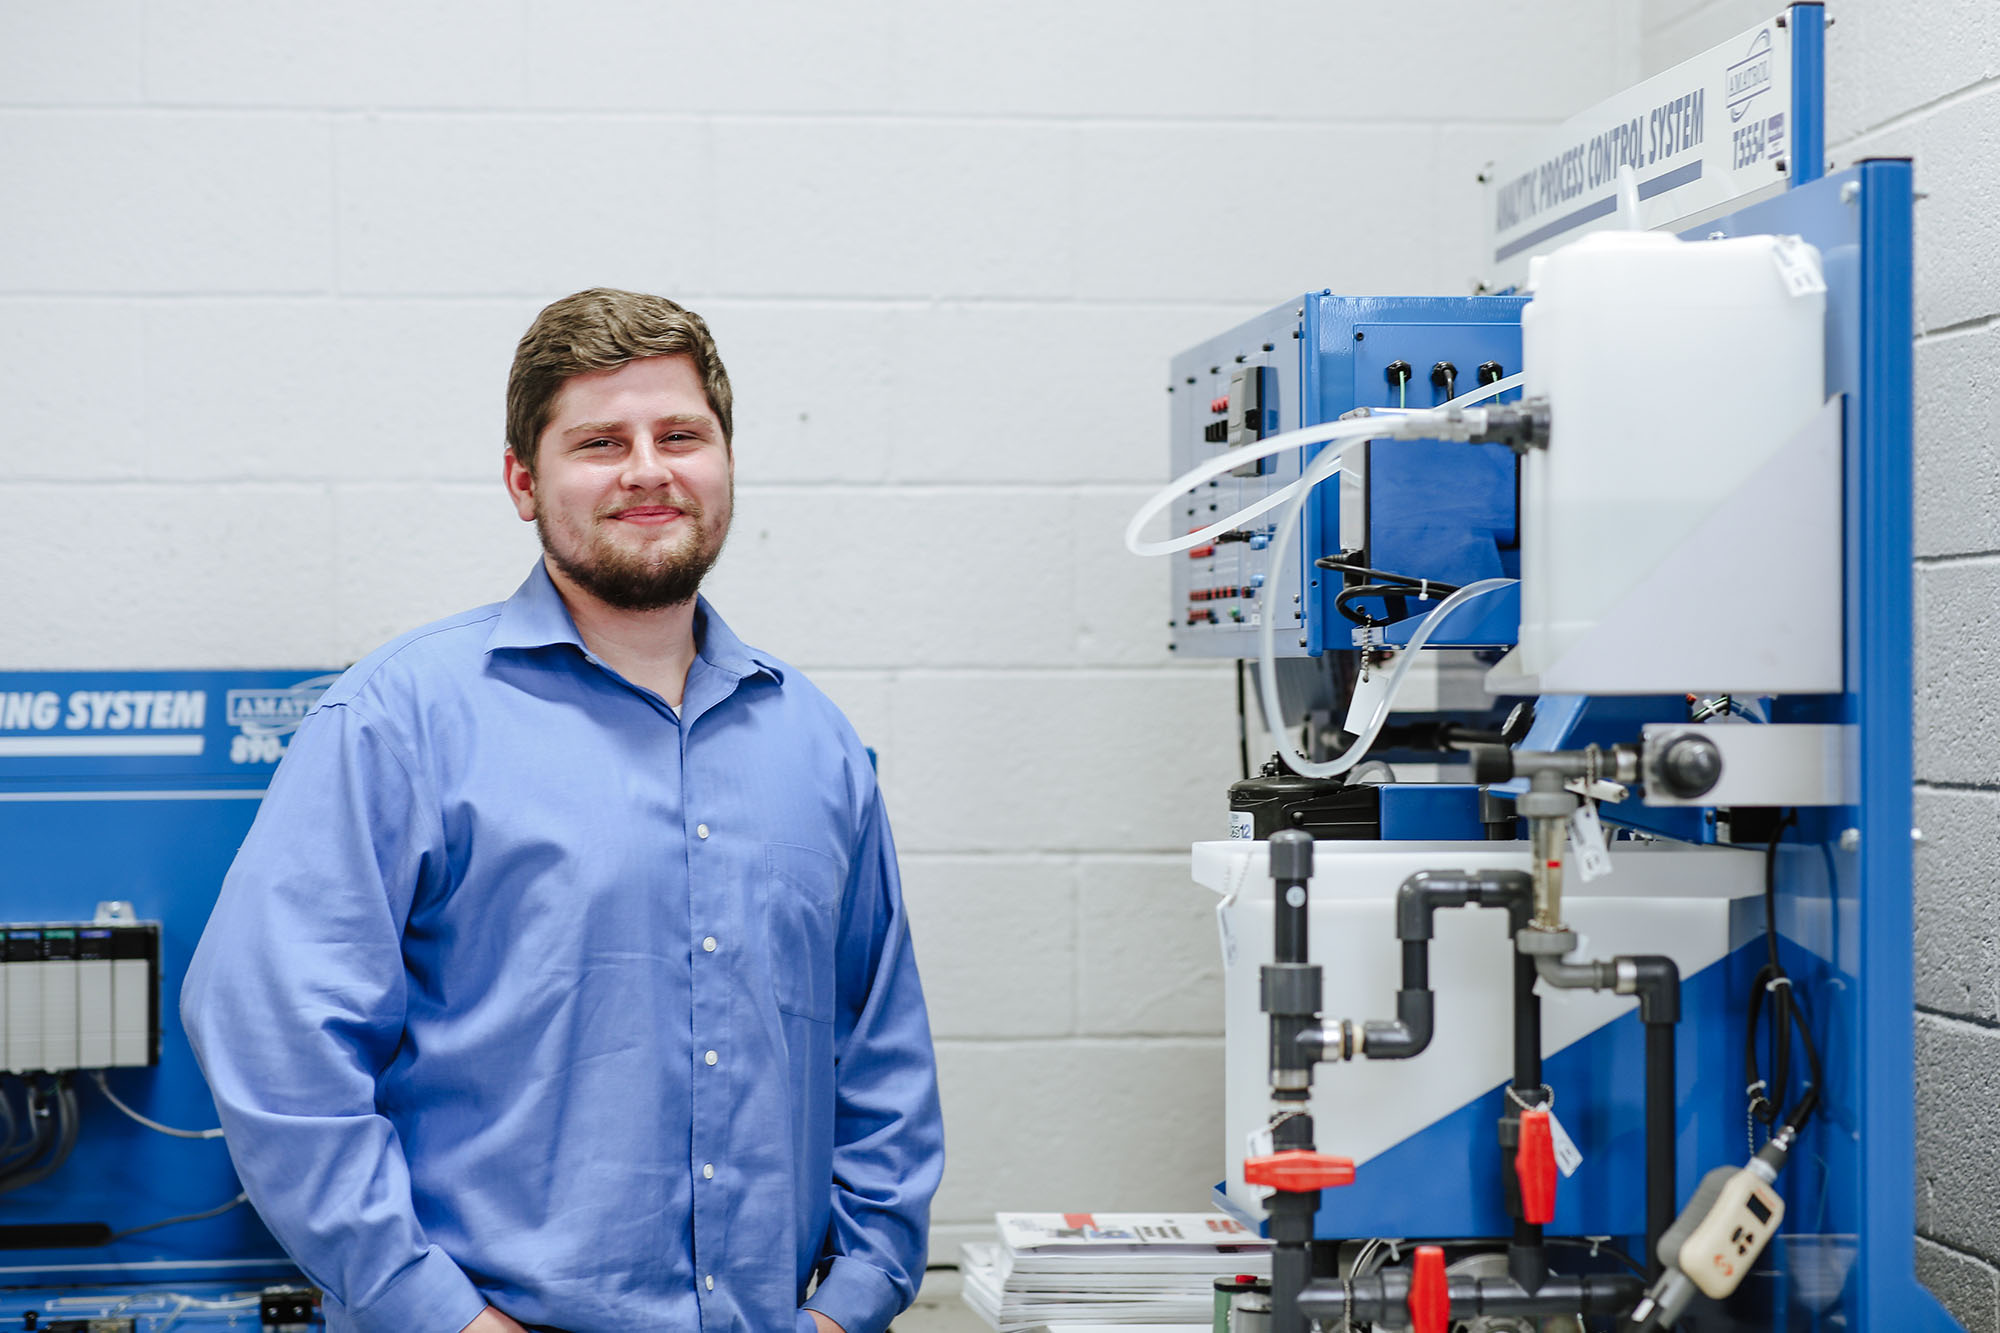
pixel 525 990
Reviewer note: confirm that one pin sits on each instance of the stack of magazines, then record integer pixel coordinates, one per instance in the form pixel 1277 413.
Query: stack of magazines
pixel 1052 1269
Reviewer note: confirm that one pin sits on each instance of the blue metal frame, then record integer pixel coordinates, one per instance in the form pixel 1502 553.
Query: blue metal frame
pixel 1807 24
pixel 1844 911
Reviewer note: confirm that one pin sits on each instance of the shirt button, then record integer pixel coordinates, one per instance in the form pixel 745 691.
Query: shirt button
pixel 710 1281
pixel 708 1170
pixel 708 945
pixel 710 1057
pixel 701 830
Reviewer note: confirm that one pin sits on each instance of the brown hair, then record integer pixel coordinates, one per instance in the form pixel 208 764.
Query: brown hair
pixel 602 329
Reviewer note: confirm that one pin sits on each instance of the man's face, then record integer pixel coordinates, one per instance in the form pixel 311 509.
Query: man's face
pixel 633 483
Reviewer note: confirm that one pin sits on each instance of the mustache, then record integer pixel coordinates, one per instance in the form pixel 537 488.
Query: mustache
pixel 686 504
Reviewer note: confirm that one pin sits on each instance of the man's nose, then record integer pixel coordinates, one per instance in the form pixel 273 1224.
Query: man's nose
pixel 648 466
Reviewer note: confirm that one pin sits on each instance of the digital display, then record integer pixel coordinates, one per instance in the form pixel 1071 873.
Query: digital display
pixel 1758 1210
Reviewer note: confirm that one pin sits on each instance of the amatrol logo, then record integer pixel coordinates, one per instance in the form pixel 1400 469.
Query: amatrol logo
pixel 275 712
pixel 1751 75
pixel 263 718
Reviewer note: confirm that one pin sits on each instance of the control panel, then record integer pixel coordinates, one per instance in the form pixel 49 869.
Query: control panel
pixel 1404 524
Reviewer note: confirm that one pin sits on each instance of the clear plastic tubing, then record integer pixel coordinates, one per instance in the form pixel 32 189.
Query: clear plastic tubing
pixel 1350 431
pixel 1324 466
pixel 1385 421
pixel 1343 435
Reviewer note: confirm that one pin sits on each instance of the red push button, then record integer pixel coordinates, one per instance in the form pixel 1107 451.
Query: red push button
pixel 1535 1168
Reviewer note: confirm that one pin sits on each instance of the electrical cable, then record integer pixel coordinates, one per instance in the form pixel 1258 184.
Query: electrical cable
pixel 1767 1097
pixel 1383 575
pixel 14 1125
pixel 203 1216
pixel 68 1122
pixel 1594 1248
pixel 41 1133
pixel 97 1076
pixel 1393 595
pixel 1242 723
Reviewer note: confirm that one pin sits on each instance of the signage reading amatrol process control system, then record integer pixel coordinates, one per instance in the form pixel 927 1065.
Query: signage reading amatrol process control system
pixel 1738 123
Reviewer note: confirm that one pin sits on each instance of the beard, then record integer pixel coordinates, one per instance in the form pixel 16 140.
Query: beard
pixel 645 580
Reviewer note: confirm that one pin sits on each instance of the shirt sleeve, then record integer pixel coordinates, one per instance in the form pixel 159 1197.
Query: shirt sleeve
pixel 888 1150
pixel 295 1000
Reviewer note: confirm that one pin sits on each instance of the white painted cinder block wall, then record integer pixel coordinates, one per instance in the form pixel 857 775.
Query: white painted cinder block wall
pixel 261 271
pixel 1922 80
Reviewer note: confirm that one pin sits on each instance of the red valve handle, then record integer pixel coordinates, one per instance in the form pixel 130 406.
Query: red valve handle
pixel 1297 1170
pixel 1430 1292
pixel 1535 1168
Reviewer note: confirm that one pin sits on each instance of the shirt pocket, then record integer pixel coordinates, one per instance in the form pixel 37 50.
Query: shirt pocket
pixel 801 904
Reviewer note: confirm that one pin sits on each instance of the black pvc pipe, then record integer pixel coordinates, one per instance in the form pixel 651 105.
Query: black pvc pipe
pixel 1527 1027
pixel 1660 1151
pixel 1418 898
pixel 1291 1213
pixel 1384 1298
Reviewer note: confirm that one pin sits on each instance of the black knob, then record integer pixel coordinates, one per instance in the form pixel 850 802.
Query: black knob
pixel 1491 372
pixel 1397 373
pixel 1690 766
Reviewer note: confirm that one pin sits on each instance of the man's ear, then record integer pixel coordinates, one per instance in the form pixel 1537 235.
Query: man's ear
pixel 520 483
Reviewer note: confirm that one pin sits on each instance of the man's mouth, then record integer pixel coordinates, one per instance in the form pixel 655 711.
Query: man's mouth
pixel 648 515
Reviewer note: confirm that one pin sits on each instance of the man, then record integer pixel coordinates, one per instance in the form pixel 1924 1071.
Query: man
pixel 563 980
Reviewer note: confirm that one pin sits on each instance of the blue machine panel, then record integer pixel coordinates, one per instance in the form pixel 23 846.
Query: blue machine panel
pixel 1421 509
pixel 137 787
pixel 1446 1180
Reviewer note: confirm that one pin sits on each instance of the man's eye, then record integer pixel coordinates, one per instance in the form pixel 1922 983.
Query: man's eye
pixel 594 444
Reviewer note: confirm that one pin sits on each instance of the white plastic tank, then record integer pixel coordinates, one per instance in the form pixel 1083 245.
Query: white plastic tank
pixel 1674 370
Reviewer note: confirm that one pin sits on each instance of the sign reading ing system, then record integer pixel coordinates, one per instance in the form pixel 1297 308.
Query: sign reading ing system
pixel 1708 133
pixel 167 722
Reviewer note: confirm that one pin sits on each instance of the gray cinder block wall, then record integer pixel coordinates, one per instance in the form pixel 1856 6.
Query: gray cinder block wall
pixel 1919 80
pixel 262 266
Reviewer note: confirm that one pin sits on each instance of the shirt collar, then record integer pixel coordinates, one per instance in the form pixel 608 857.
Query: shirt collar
pixel 535 617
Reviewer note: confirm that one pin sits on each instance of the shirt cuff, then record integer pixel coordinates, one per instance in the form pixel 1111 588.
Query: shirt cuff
pixel 858 1297
pixel 432 1293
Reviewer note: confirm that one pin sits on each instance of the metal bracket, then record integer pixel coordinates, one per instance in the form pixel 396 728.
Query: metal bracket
pixel 1759 764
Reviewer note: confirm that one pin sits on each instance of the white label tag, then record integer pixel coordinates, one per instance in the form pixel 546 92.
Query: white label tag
pixel 1798 265
pixel 1227 932
pixel 1261 1144
pixel 1586 841
pixel 1568 1159
pixel 1242 826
